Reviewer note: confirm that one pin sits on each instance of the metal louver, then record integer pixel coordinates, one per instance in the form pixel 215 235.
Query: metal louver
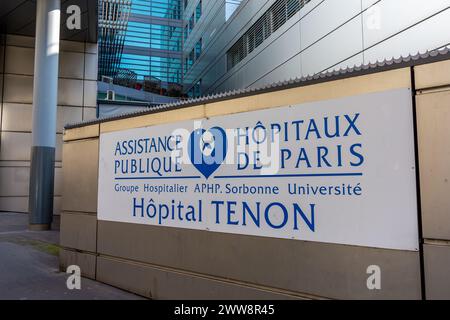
pixel 276 16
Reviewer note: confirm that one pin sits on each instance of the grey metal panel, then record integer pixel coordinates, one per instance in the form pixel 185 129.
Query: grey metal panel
pixel 157 283
pixel 328 40
pixel 334 271
pixel 433 117
pixel 42 185
pixel 80 157
pixel 437 280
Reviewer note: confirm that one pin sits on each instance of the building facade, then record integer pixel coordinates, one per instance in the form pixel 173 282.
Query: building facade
pixel 266 41
pixel 150 47
pixel 113 23
pixel 75 94
pixel 220 255
pixel 198 47
pixel 203 22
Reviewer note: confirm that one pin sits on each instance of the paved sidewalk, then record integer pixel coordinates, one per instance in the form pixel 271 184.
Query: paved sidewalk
pixel 29 267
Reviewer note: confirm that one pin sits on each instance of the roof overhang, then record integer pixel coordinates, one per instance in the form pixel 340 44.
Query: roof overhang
pixel 19 17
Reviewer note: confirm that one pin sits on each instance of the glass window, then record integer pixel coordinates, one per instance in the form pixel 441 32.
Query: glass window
pixel 191 23
pixel 195 91
pixel 198 88
pixel 189 61
pixel 163 68
pixel 198 48
pixel 186 32
pixel 186 64
pixel 198 10
pixel 191 58
pixel 155 36
pixel 144 67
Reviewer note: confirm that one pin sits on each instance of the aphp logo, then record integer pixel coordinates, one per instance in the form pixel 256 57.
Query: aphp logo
pixel 207 149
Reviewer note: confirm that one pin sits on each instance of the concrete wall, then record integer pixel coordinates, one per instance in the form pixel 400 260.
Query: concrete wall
pixel 324 35
pixel 433 118
pixel 76 102
pixel 163 263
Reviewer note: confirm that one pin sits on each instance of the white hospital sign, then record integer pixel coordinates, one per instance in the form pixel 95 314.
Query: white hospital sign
pixel 338 171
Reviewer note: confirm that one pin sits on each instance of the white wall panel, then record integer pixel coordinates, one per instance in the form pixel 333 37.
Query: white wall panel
pixel 396 15
pixel 368 3
pixel 338 46
pixel 287 71
pixel 422 37
pixel 323 48
pixel 325 18
pixel 351 62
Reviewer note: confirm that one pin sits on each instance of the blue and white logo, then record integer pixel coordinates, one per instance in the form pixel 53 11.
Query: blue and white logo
pixel 208 149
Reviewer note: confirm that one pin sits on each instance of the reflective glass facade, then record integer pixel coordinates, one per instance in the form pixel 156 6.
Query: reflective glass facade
pixel 151 57
pixel 112 22
pixel 204 21
pixel 162 42
pixel 153 41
